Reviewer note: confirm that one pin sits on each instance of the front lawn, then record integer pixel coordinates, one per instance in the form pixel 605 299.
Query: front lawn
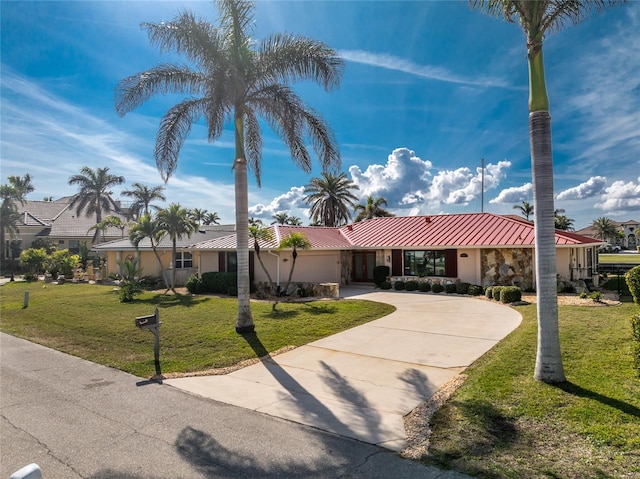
pixel 197 332
pixel 612 258
pixel 504 424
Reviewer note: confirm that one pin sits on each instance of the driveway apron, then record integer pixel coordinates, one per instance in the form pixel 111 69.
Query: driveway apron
pixel 360 383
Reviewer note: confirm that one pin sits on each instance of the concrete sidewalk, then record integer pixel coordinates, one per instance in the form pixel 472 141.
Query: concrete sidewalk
pixel 361 382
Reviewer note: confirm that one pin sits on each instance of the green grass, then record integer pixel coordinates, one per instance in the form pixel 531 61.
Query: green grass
pixel 608 258
pixel 504 424
pixel 197 332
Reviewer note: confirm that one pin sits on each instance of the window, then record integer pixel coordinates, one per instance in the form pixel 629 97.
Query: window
pixel 424 263
pixel 232 262
pixel 74 246
pixel 184 259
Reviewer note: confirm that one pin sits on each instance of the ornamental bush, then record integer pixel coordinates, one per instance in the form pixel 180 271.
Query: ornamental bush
pixel 510 294
pixel 437 288
pixel 475 290
pixel 424 287
pixel 220 283
pixel 385 285
pixel 411 285
pixel 380 274
pixel 398 285
pixel 497 292
pixel 489 292
pixel 633 282
pixel 194 284
pixel 450 288
pixel 462 288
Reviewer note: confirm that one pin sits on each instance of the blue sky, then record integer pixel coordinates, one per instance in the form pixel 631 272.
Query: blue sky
pixel 430 88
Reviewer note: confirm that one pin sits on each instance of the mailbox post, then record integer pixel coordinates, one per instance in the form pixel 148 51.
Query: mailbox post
pixel 152 323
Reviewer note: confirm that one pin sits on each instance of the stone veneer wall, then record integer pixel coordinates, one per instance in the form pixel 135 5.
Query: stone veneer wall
pixel 507 267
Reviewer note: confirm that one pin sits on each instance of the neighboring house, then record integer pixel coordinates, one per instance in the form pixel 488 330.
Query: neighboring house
pixel 185 262
pixel 478 248
pixel 58 222
pixel 628 237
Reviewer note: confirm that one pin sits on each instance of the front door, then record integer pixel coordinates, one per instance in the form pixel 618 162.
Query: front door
pixel 363 264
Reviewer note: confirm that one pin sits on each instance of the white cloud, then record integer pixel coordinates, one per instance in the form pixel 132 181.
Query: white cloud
pixel 515 194
pixel 390 62
pixel 621 196
pixel 404 173
pixel 289 202
pixel 590 188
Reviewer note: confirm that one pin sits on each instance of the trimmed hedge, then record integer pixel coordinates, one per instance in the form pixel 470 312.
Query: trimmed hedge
pixel 633 282
pixel 385 285
pixel 214 283
pixel 398 285
pixel 510 294
pixel 411 285
pixel 380 274
pixel 497 291
pixel 450 288
pixel 437 288
pixel 462 288
pixel 424 287
pixel 489 292
pixel 475 290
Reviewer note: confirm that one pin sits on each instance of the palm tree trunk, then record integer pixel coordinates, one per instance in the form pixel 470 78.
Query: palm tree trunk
pixel 548 359
pixel 245 320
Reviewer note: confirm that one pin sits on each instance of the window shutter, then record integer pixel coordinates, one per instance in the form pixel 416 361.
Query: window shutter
pixel 396 262
pixel 451 263
pixel 222 267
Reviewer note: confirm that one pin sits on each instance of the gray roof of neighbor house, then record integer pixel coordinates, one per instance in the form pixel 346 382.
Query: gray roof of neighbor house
pixel 59 219
pixel 204 233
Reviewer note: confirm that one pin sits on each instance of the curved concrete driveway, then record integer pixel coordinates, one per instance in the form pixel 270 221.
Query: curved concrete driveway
pixel 361 382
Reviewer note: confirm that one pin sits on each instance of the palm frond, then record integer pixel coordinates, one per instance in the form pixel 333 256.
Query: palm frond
pixel 174 129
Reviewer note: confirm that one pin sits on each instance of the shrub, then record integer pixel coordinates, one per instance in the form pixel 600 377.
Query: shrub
pixel 462 288
pixel 632 279
pixel 380 274
pixel 424 287
pixel 194 284
pixel 411 285
pixel 220 283
pixel 583 295
pixel 62 262
pixel 128 291
pixel 489 292
pixel 475 290
pixel 596 296
pixel 450 288
pixel 497 292
pixel 385 285
pixel 437 288
pixel 33 260
pixel 398 285
pixel 510 294
pixel 635 325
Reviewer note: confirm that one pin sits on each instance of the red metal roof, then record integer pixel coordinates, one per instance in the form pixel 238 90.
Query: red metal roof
pixel 439 231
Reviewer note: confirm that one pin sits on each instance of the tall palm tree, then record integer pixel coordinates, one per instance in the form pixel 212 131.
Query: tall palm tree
pixel 15 191
pixel 281 218
pixel 295 241
pixel 94 195
pixel 198 215
pixel 143 197
pixel 373 208
pixel 261 233
pixel 233 77
pixel 110 221
pixel 147 227
pixel 331 199
pixel 537 18
pixel 605 228
pixel 176 223
pixel 526 209
pixel 212 218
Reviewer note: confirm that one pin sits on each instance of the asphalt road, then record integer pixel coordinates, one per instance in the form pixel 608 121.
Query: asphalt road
pixel 77 419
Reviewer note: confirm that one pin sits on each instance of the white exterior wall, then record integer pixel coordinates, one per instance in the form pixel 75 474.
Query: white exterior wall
pixel 469 267
pixel 311 266
pixel 205 261
pixel 563 261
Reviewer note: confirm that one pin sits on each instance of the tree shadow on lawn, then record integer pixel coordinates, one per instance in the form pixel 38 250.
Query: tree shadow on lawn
pixel 169 300
pixel 576 390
